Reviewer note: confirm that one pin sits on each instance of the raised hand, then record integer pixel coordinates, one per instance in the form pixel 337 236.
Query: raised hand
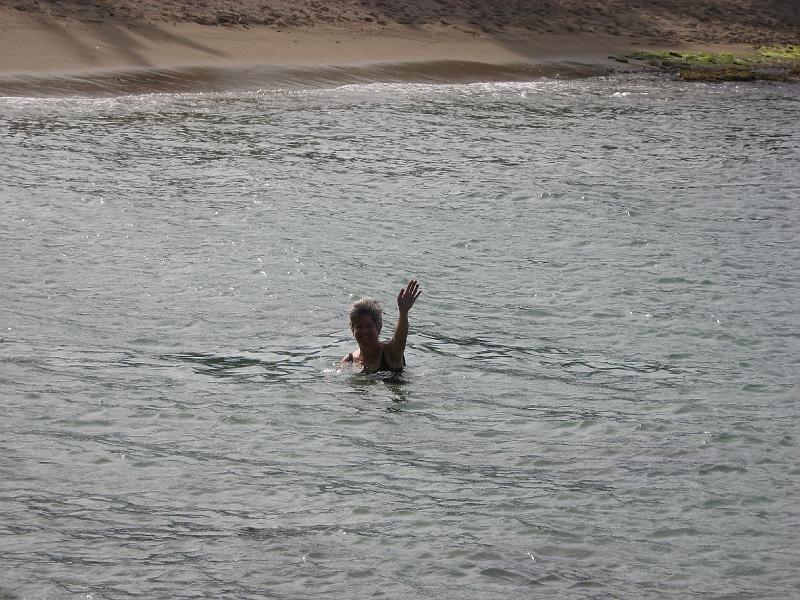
pixel 407 297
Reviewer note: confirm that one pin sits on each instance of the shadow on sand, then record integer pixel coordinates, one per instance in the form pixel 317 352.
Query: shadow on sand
pixel 119 38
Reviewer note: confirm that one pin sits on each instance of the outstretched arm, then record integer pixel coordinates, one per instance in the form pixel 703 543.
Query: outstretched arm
pixel 405 300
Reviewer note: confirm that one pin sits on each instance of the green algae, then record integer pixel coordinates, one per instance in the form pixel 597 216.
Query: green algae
pixel 785 52
pixel 775 63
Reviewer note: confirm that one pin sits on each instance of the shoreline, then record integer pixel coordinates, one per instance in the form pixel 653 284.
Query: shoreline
pixel 47 54
pixel 261 78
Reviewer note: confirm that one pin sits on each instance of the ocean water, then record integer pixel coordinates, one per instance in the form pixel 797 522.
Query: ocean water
pixel 602 392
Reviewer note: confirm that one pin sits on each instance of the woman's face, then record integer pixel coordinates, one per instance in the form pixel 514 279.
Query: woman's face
pixel 365 330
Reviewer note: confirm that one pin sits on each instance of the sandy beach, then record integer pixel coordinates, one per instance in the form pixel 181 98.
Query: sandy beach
pixel 202 40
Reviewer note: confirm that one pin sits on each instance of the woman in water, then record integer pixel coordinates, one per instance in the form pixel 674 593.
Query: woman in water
pixel 366 321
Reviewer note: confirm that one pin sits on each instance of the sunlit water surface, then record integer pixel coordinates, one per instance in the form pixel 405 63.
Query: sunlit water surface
pixel 602 392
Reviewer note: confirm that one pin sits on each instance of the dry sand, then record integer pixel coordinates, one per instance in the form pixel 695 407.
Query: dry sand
pixel 78 37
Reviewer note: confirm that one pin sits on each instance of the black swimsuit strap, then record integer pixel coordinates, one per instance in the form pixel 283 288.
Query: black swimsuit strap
pixel 383 365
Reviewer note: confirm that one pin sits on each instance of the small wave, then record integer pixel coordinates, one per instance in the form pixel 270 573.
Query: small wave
pixel 277 78
pixel 709 469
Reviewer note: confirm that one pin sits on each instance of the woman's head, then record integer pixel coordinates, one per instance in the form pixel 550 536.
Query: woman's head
pixel 366 307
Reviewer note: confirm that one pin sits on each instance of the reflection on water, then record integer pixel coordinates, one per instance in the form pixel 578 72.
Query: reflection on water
pixel 600 392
